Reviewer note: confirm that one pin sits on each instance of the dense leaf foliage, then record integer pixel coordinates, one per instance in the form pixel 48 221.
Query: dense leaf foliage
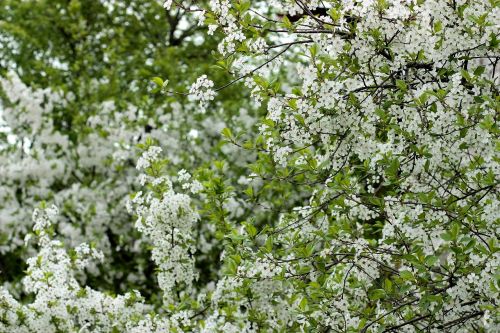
pixel 247 166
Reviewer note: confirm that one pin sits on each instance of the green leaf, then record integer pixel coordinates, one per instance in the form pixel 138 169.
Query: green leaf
pixel 286 23
pixel 388 285
pixel 465 75
pixel 479 70
pixel 232 267
pixel 334 14
pixel 376 294
pixel 226 132
pixel 158 80
pixel 406 275
pixel 431 260
pixel 303 304
pixel 401 85
pixel 250 229
pixel 455 229
pixel 438 26
pixel 314 50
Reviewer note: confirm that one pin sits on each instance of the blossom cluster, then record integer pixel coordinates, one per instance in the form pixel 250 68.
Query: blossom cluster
pixel 168 219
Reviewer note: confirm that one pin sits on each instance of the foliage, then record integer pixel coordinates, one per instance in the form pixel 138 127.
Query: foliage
pixel 335 166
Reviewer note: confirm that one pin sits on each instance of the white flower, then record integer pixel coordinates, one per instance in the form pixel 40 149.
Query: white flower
pixel 167 4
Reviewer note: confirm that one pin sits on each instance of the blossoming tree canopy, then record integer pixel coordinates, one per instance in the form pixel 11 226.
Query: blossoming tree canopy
pixel 335 167
pixel 72 114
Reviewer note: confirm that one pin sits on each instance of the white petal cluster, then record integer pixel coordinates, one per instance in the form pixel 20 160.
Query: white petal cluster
pixel 202 92
pixel 167 219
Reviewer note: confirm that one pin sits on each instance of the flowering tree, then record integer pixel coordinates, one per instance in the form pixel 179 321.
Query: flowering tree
pixel 361 196
pixel 68 136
